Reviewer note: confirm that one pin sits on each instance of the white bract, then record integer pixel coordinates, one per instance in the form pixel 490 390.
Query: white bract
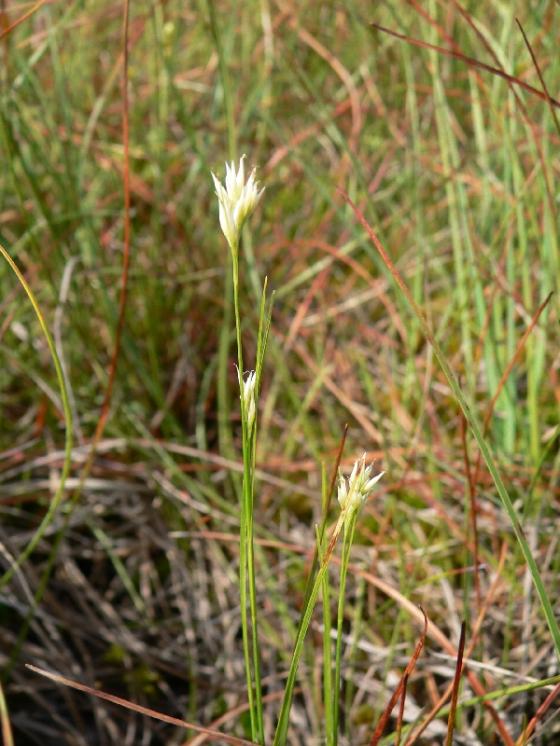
pixel 247 389
pixel 353 492
pixel 237 200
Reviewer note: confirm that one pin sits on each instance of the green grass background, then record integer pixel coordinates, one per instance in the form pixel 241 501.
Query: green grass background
pixel 458 177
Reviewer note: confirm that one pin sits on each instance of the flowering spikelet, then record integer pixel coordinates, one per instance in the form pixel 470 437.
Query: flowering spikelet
pixel 247 390
pixel 353 492
pixel 237 200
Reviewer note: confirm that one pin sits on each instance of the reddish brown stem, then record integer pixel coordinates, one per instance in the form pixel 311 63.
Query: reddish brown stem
pixel 384 719
pixel 455 690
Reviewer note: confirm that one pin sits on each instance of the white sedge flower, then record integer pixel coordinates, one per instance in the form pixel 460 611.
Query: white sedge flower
pixel 247 391
pixel 354 491
pixel 237 200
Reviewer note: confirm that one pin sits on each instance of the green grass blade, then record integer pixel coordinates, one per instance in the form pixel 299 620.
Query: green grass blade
pixel 472 419
pixel 57 498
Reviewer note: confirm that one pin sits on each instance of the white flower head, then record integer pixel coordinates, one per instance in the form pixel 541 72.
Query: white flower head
pixel 354 491
pixel 247 391
pixel 237 199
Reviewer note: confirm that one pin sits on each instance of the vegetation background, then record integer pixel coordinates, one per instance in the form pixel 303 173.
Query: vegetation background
pixel 455 167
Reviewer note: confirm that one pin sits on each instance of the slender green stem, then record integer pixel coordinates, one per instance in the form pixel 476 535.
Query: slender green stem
pixel 327 625
pixel 224 427
pixel 327 662
pixel 246 545
pixel 243 517
pixel 282 726
pixel 348 538
pixel 244 615
pixel 235 274
pixel 55 502
pixel 253 592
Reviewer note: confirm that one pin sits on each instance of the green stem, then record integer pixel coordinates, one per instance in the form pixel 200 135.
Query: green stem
pixel 243 518
pixel 244 617
pixel 282 726
pixel 349 528
pixel 248 477
pixel 55 502
pixel 327 624
pixel 327 663
pixel 246 544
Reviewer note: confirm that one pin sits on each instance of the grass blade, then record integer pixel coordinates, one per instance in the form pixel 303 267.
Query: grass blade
pixel 473 424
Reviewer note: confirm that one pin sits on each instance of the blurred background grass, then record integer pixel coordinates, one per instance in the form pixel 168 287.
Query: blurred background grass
pixel 455 168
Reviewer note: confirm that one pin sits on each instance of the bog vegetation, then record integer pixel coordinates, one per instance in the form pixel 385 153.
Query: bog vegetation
pixel 207 368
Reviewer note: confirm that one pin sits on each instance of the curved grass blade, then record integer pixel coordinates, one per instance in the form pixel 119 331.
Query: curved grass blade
pixel 55 502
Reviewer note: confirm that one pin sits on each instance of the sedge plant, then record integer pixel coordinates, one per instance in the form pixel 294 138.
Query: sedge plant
pixel 238 198
pixel 352 494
